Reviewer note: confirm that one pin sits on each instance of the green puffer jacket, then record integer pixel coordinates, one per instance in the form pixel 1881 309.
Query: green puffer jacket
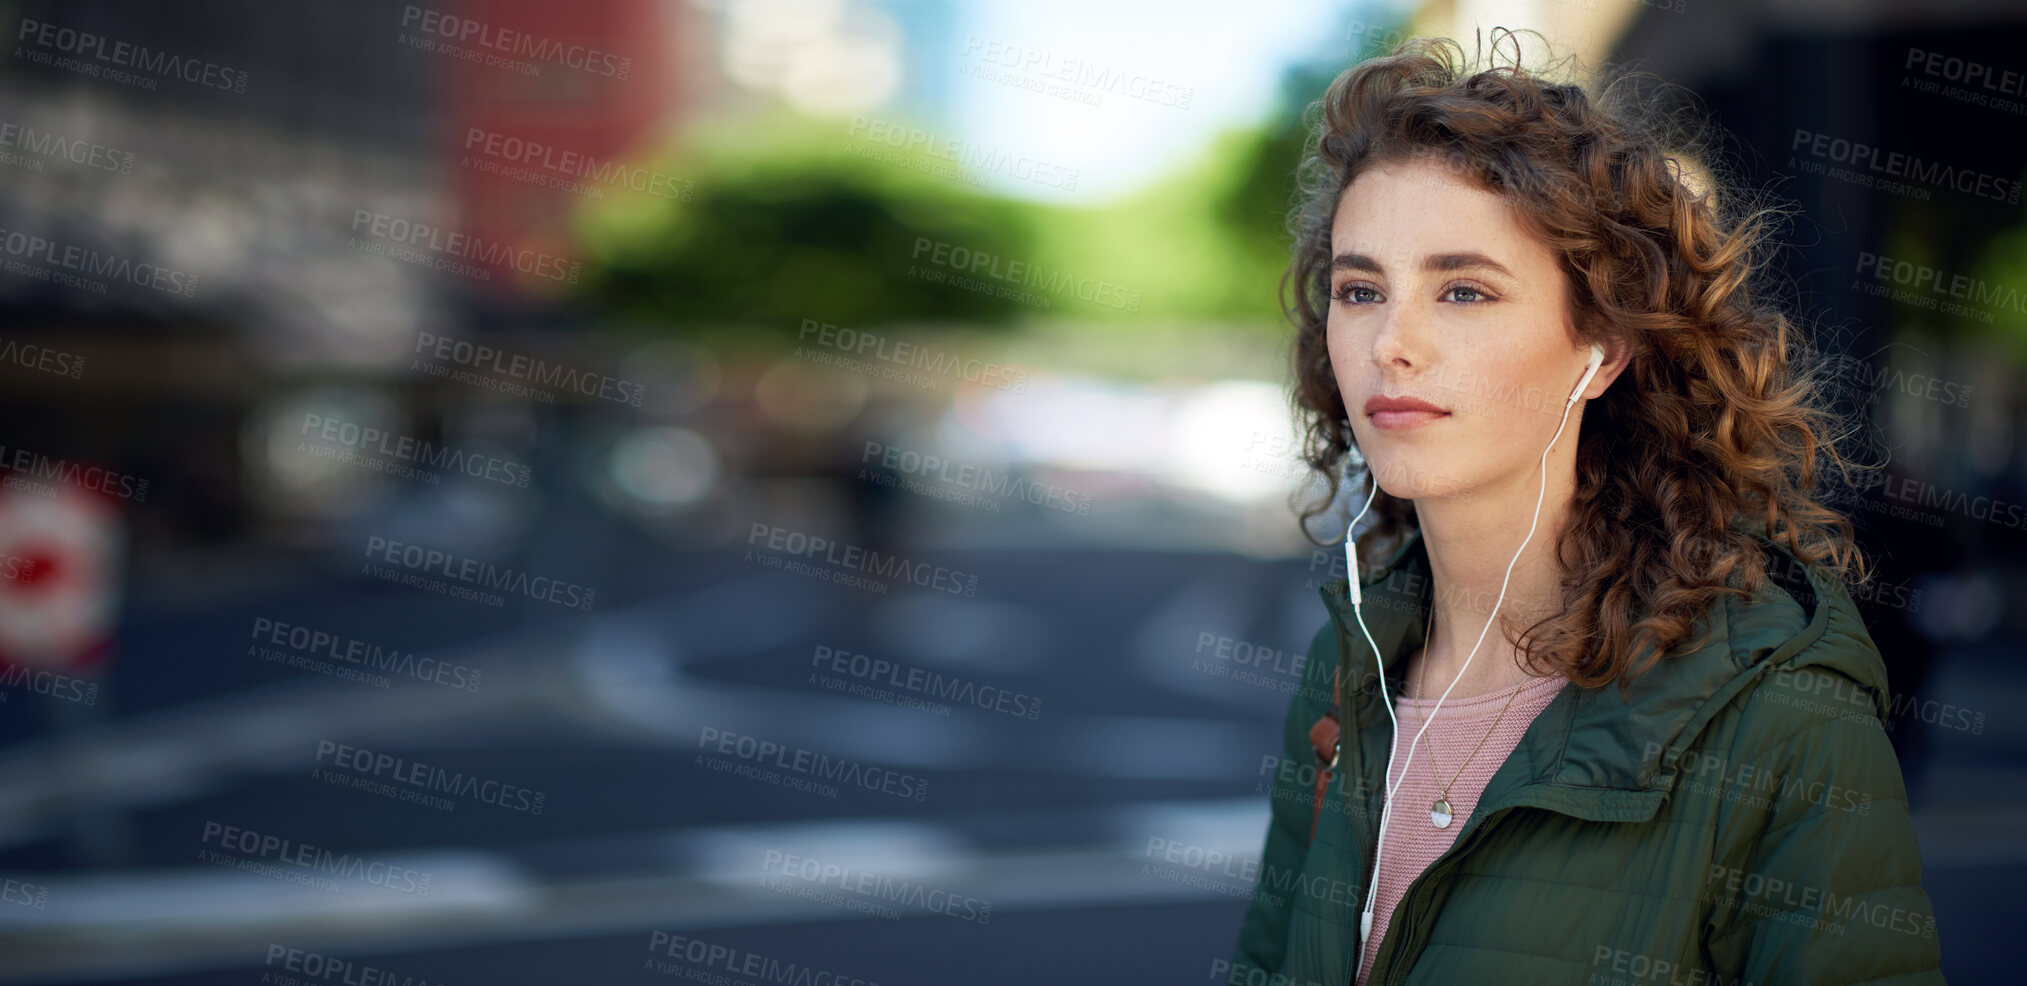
pixel 1738 817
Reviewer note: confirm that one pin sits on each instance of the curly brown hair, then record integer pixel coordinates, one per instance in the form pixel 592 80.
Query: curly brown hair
pixel 1712 441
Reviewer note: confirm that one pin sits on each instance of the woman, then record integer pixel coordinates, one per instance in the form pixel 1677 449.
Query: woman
pixel 1581 427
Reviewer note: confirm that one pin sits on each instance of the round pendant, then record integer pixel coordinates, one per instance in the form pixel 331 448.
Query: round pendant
pixel 1439 813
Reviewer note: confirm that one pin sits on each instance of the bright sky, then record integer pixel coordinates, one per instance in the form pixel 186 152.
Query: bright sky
pixel 1229 55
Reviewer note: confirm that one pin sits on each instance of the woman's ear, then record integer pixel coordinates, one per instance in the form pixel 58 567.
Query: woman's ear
pixel 1618 355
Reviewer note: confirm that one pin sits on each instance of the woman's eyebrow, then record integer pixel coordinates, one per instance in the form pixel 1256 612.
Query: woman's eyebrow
pixel 1438 262
pixel 1463 261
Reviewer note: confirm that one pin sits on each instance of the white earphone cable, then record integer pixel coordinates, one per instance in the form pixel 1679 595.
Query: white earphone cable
pixel 1351 569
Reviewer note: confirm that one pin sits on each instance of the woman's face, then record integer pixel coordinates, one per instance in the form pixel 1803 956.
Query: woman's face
pixel 1438 294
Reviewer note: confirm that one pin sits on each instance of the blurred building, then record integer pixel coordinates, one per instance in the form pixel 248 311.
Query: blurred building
pixel 305 189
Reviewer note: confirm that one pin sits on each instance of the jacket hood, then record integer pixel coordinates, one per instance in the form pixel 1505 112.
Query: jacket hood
pixel 1594 752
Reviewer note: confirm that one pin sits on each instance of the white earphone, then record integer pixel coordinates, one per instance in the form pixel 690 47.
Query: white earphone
pixel 1351 570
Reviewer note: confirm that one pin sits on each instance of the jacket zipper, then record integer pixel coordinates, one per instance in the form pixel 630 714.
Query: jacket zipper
pixel 1417 895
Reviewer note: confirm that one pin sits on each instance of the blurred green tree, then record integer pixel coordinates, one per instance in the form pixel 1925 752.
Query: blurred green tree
pixel 792 219
pixel 784 223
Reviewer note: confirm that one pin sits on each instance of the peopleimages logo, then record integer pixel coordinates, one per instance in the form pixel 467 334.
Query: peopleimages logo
pixel 854 558
pixel 428 777
pixel 43 143
pixel 1759 894
pixel 694 958
pixel 811 874
pixel 1895 164
pixel 314 967
pixel 1646 969
pixel 1995 82
pixel 31 356
pixel 1916 492
pixel 1919 278
pixel 1074 71
pixel 534 154
pixel 247 849
pixel 33 895
pixel 466 30
pixel 796 760
pixel 308 647
pixel 446 243
pixel 33 249
pixel 933 362
pixel 51 684
pixel 418 559
pixel 1025 274
pixel 960 691
pixel 352 437
pixel 1756 785
pixel 519 366
pixel 29 464
pixel 968 154
pixel 981 479
pixel 141 58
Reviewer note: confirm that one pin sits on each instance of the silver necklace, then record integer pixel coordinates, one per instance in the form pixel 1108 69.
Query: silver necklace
pixel 1440 813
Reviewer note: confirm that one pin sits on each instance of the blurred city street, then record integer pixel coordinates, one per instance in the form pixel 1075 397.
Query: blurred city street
pixel 1053 821
pixel 806 491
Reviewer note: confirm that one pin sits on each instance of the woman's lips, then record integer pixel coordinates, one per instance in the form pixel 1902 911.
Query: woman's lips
pixel 1397 420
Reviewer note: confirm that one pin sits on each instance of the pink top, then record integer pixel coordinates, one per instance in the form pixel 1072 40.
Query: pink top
pixel 1412 840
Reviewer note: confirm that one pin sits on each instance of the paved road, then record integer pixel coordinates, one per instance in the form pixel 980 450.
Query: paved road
pixel 1118 726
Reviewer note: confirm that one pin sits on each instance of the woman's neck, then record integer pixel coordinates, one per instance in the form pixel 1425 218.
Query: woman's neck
pixel 1470 543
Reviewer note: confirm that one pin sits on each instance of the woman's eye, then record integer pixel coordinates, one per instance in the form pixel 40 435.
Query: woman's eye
pixel 1357 294
pixel 1474 294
